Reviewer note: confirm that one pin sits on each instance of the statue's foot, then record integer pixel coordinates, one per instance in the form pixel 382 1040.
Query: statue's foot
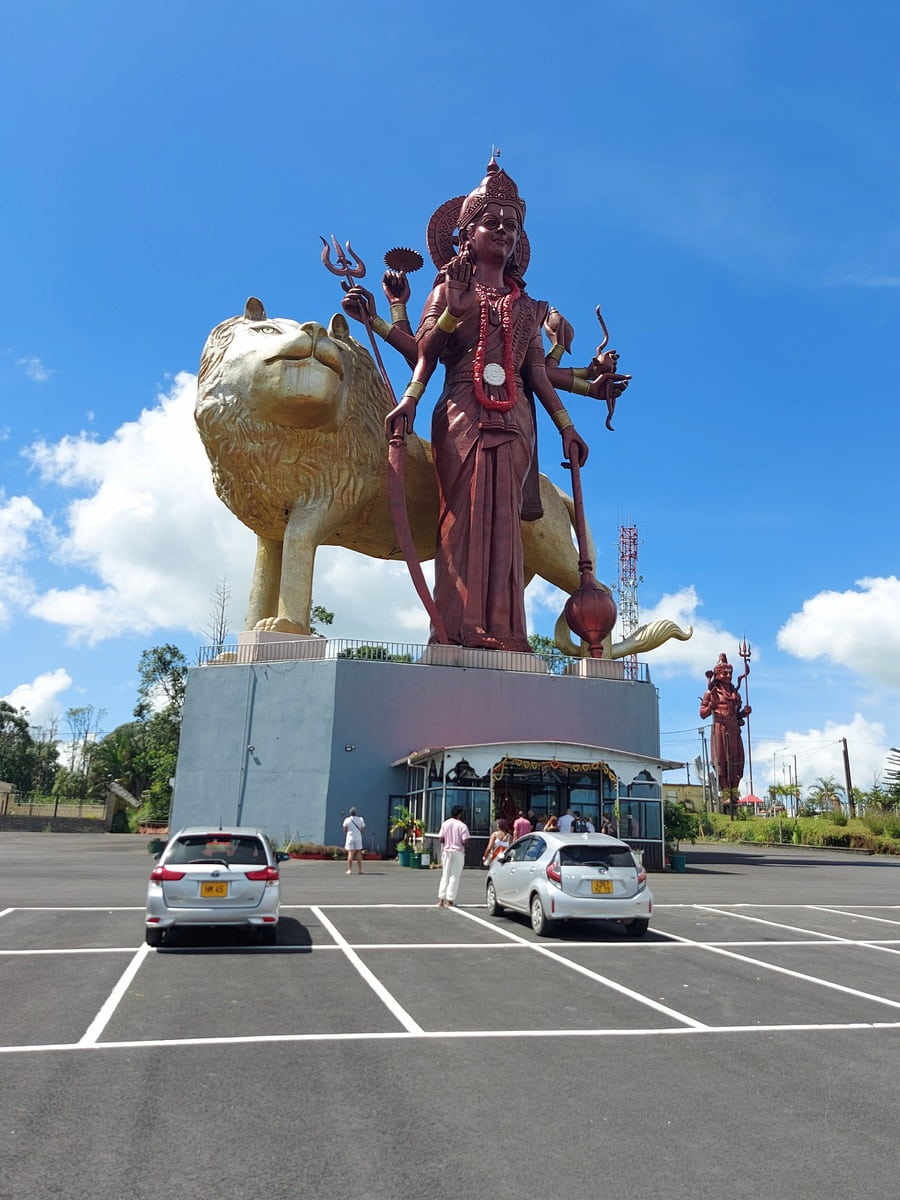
pixel 280 625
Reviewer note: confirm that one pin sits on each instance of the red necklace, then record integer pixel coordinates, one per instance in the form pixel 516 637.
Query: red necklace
pixel 504 310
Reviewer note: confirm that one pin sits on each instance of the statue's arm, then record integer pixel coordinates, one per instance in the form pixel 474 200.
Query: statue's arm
pixel 534 374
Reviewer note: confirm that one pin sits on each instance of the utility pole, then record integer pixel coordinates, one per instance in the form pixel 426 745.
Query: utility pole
pixel 851 803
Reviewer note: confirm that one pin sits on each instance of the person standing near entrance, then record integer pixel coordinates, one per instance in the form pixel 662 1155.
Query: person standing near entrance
pixel 453 835
pixel 565 821
pixel 521 826
pixel 353 843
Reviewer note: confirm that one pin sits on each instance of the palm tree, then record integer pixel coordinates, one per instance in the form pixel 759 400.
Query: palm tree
pixel 826 791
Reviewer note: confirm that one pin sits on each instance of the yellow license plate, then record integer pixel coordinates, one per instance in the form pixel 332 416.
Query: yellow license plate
pixel 601 887
pixel 213 891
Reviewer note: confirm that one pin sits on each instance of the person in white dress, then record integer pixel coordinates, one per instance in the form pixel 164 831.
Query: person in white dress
pixel 353 842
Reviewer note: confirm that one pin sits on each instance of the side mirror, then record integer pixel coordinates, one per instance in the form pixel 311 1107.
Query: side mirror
pixel 281 856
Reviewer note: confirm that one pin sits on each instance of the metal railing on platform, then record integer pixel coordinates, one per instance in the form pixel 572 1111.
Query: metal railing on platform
pixel 409 653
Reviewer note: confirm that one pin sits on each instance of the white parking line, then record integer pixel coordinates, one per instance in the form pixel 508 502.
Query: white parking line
pixel 375 984
pixel 574 966
pixel 840 912
pixel 758 962
pixel 99 1023
pixel 813 934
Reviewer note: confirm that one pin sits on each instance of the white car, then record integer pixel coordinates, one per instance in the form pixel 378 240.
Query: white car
pixel 559 876
pixel 215 877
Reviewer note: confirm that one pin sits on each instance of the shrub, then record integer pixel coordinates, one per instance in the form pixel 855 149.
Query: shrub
pixel 839 817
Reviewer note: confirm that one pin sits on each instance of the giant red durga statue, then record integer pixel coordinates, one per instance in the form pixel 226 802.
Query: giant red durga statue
pixel 483 327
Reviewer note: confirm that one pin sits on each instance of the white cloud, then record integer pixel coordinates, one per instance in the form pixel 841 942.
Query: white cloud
pixel 700 653
pixel 19 518
pixel 819 753
pixel 34 368
pixel 39 698
pixel 151 528
pixel 857 629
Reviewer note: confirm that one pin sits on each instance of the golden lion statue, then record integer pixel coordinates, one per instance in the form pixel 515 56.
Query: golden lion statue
pixel 292 419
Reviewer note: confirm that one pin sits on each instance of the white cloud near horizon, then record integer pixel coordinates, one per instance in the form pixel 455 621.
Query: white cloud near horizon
pixel 858 629
pixel 40 697
pixel 149 527
pixel 819 753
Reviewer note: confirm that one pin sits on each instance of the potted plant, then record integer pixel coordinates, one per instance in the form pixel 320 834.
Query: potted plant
pixel 403 827
pixel 679 824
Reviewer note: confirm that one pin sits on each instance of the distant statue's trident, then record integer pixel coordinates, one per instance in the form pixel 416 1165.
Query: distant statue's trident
pixel 744 652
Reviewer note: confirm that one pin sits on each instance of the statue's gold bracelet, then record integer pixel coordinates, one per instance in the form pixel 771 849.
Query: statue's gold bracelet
pixel 398 312
pixel 381 327
pixel 556 353
pixel 447 323
pixel 580 387
pixel 414 390
pixel 561 419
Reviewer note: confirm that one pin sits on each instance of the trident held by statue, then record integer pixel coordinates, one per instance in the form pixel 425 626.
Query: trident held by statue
pixel 349 265
pixel 744 653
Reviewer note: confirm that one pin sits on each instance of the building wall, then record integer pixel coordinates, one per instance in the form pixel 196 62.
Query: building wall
pixel 290 746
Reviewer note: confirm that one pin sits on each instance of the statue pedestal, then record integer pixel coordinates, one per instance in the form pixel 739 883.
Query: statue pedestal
pixel 497 660
pixel 259 645
pixel 597 668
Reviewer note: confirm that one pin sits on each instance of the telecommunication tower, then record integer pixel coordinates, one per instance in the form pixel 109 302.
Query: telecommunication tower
pixel 628 585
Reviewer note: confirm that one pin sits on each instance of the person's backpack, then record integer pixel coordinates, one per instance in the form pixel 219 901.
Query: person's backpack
pixel 579 826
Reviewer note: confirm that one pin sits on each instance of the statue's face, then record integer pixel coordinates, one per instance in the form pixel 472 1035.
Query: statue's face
pixel 723 672
pixel 495 233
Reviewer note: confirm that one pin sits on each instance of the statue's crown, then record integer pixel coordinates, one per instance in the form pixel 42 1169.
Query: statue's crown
pixel 496 187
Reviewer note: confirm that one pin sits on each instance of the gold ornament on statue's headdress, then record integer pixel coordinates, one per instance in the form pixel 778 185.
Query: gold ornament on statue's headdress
pixel 455 215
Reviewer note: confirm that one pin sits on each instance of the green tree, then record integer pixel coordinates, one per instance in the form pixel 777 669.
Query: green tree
pixel 545 648
pixel 825 793
pixel 320 614
pixel 163 678
pixel 17 750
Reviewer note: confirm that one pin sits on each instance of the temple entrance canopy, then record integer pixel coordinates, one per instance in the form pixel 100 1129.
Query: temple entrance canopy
pixel 541 779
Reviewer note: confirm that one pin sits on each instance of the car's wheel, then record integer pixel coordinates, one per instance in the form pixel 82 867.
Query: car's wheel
pixel 540 922
pixel 155 937
pixel 495 909
pixel 638 927
pixel 266 935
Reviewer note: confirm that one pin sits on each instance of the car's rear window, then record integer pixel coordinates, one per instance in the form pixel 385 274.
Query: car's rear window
pixel 242 851
pixel 595 856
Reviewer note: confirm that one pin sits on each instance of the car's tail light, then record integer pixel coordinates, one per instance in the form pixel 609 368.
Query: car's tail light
pixel 642 877
pixel 268 874
pixel 159 874
pixel 554 873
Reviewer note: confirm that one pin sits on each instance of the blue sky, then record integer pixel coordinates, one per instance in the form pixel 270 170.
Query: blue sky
pixel 722 177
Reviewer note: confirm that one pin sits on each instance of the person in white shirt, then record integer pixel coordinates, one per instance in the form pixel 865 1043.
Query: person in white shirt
pixel 353 843
pixel 453 834
pixel 565 821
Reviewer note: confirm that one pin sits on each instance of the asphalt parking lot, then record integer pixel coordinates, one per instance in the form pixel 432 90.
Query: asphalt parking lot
pixel 747 1046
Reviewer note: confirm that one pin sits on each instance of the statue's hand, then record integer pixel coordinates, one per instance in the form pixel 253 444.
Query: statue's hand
pixel 558 330
pixel 604 364
pixel 575 449
pixel 358 302
pixel 459 290
pixel 609 386
pixel 395 286
pixel 399 421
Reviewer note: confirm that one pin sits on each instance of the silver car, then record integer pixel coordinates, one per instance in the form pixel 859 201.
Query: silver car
pixel 557 876
pixel 222 877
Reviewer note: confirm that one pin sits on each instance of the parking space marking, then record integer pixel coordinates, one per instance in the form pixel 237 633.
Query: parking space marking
pixel 506 938
pixel 864 916
pixel 812 934
pixel 574 966
pixel 109 1006
pixel 393 1006
pixel 757 962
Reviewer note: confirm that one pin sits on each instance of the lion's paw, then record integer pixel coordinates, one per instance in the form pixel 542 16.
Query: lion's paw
pixel 279 625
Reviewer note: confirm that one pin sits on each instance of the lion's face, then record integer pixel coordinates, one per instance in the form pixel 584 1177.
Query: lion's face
pixel 285 373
